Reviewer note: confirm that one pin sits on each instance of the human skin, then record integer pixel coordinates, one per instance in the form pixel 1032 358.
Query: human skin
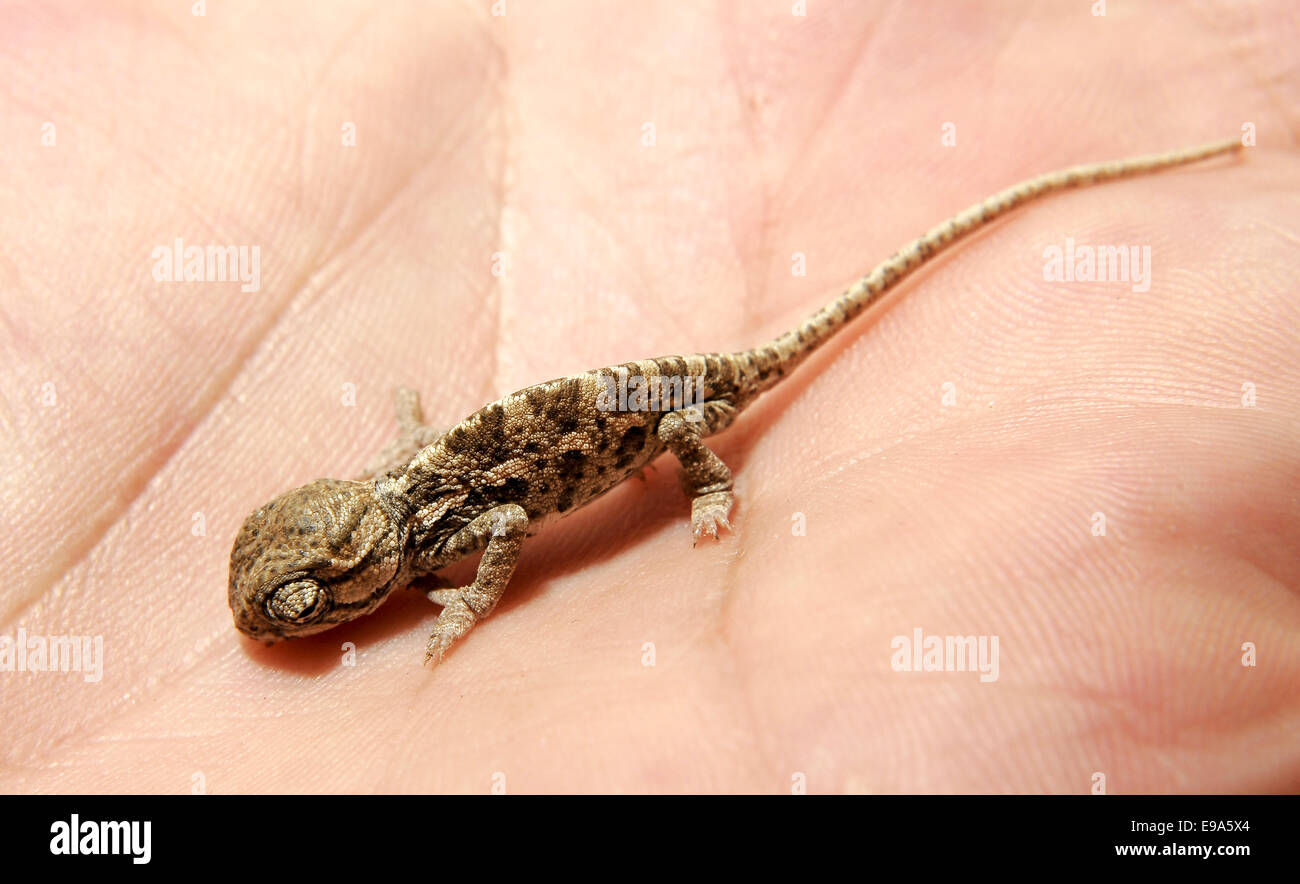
pixel 181 407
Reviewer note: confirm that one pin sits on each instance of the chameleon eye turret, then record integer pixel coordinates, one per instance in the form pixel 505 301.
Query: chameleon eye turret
pixel 300 602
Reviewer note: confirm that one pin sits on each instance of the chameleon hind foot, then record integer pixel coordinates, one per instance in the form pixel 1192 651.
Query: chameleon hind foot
pixel 705 478
pixel 413 435
pixel 709 514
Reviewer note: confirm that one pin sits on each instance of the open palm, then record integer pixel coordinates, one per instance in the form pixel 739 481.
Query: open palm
pixel 1105 479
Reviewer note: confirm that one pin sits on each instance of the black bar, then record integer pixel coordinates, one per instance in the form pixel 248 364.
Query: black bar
pixel 263 835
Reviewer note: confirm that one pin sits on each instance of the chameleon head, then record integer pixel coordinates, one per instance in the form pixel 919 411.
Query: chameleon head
pixel 311 559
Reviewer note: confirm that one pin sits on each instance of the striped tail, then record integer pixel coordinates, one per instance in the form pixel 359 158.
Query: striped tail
pixel 771 362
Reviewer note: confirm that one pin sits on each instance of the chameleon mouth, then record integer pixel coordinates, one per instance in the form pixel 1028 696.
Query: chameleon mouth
pixel 258 632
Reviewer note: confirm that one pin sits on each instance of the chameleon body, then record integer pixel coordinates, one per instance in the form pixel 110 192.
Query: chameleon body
pixel 333 550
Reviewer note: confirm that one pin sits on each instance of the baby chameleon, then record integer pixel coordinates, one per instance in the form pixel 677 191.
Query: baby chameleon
pixel 334 549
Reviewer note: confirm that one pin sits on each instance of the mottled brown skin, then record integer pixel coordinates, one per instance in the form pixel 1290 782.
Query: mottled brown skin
pixel 333 550
pixel 494 478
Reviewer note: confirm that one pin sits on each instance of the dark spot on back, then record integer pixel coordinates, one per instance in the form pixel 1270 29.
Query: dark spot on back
pixel 567 422
pixel 631 445
pixel 633 440
pixel 565 500
pixel 571 463
pixel 513 490
pixel 475 501
pixel 536 400
pixel 494 421
pixel 458 441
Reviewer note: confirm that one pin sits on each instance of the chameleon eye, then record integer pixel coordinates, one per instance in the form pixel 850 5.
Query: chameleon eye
pixel 299 602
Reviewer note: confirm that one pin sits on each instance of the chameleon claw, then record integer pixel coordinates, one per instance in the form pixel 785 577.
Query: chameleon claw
pixel 437 647
pixel 711 529
pixel 709 514
pixel 456 619
pixel 443 595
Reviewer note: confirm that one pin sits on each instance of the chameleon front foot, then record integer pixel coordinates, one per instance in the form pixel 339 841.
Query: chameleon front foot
pixel 457 619
pixel 503 529
pixel 709 514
